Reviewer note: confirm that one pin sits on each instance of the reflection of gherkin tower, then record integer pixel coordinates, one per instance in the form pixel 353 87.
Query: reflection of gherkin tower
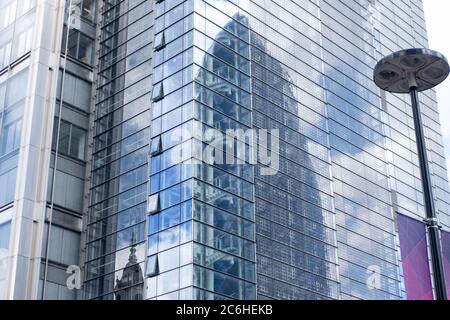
pixel 295 240
pixel 223 103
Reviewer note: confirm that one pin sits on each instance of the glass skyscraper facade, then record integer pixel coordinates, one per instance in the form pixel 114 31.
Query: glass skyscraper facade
pixel 160 190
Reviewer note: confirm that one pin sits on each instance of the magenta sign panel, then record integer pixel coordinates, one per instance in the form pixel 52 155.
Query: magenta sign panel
pixel 416 270
pixel 445 236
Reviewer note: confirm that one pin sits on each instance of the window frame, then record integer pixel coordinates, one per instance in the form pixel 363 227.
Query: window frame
pixel 57 135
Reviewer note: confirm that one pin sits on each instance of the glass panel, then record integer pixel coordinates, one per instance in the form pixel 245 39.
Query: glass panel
pixel 64 138
pixel 88 9
pixel 169 238
pixel 72 47
pixel 153 204
pixel 152 268
pixel 169 259
pixel 78 143
pixel 170 217
pixel 169 281
pixel 86 49
pixel 156 146
pixel 4 235
pixel 158 92
pixel 159 41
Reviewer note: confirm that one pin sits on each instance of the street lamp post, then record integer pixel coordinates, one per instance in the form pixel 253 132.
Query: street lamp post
pixel 413 71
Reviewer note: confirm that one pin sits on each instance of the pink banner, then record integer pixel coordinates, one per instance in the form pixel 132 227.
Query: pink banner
pixel 416 269
pixel 445 236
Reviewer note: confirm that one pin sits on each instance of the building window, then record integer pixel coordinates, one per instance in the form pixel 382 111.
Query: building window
pixel 23 42
pixel 80 46
pixel 72 140
pixel 12 96
pixel 153 204
pixel 160 41
pixel 85 9
pixel 77 92
pixel 152 268
pixel 156 146
pixel 4 235
pixel 88 9
pixel 158 92
pixel 8 14
pixel 64 245
pixel 10 134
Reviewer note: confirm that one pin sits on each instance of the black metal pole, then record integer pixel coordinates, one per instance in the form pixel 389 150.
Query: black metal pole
pixel 432 222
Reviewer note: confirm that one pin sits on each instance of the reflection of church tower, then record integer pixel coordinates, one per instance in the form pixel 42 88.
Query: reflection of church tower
pixel 126 288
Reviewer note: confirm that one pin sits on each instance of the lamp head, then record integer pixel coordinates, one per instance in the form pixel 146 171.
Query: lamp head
pixel 419 68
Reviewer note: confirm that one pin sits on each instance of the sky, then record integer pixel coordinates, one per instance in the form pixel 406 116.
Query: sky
pixel 437 15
